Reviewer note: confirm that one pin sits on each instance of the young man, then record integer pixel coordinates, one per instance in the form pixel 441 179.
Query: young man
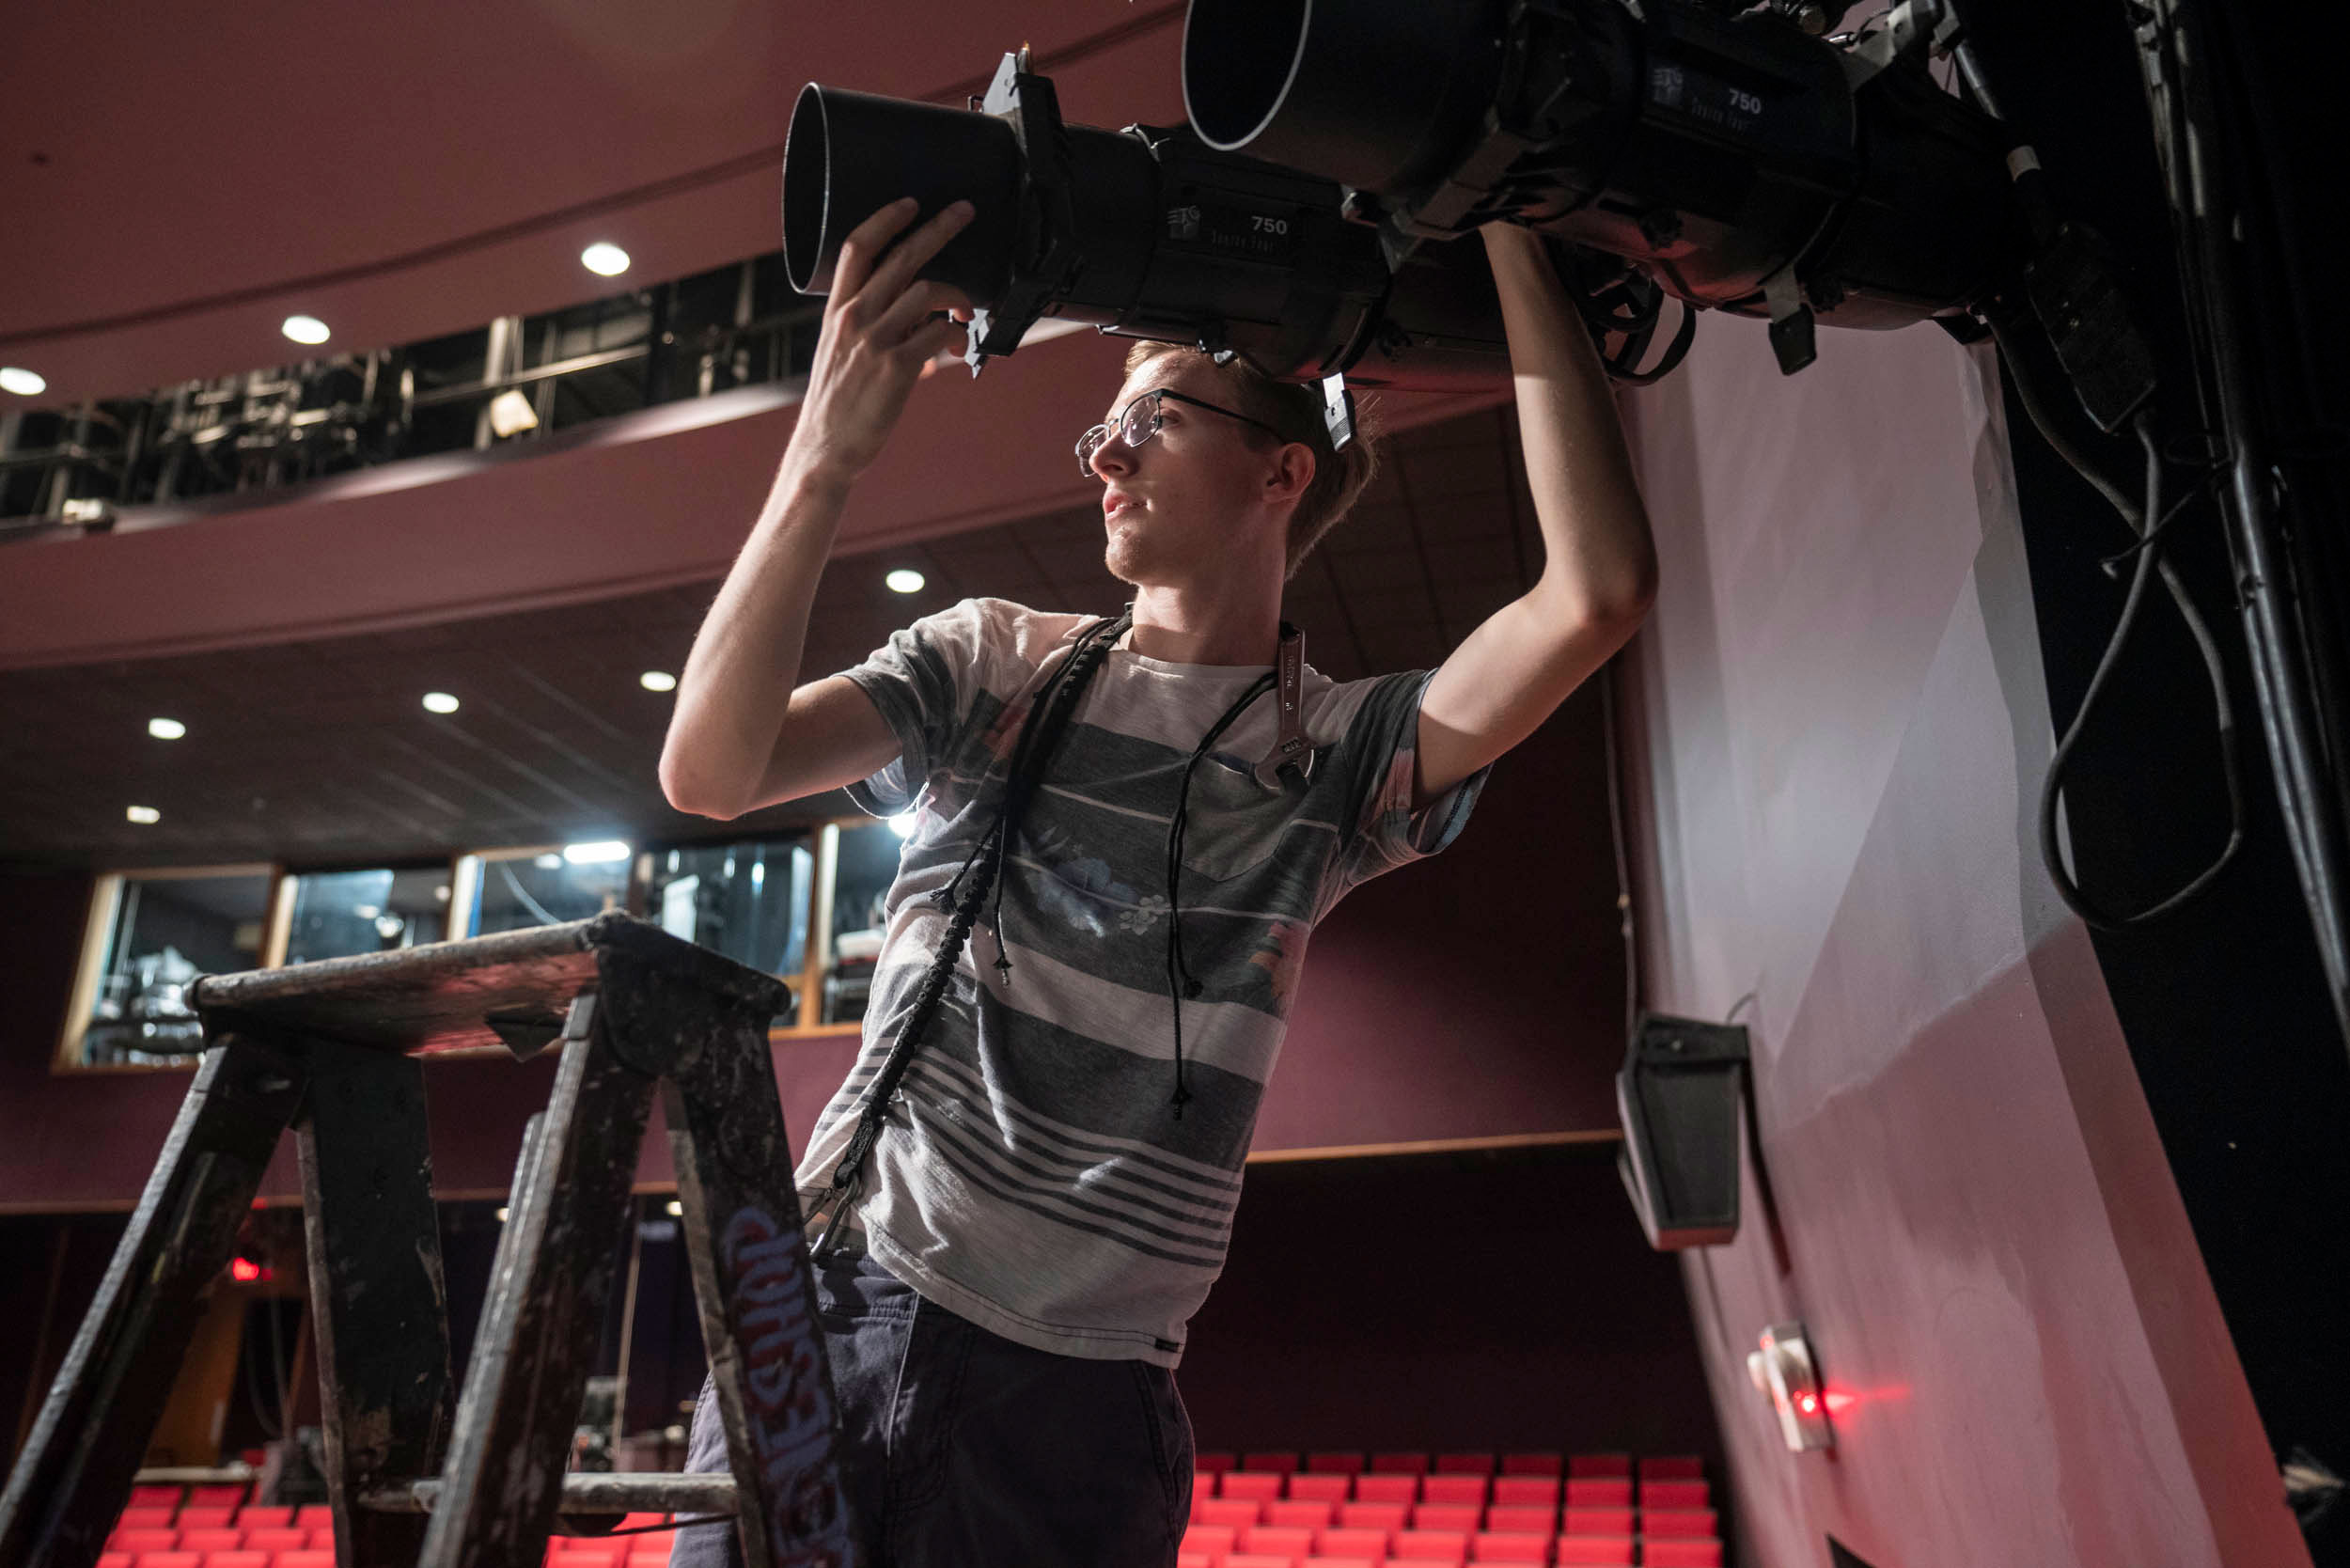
pixel 1050 1192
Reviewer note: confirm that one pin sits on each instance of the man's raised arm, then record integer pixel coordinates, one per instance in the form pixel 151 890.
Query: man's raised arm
pixel 741 736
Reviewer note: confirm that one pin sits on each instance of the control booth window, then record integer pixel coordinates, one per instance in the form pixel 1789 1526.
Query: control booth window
pixel 518 888
pixel 149 935
pixel 749 900
pixel 864 862
pixel 337 914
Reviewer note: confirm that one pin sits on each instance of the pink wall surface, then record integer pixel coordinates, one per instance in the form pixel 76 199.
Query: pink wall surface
pixel 1839 728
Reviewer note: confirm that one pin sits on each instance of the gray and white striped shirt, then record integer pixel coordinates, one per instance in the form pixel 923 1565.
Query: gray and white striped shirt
pixel 1033 1178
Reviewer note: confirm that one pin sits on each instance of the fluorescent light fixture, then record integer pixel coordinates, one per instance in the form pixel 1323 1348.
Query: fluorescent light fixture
pixel 657 681
pixel 903 824
pixel 439 702
pixel 605 258
pixel 601 851
pixel 510 413
pixel 904 580
pixel 165 729
pixel 23 383
pixel 305 329
pixel 142 814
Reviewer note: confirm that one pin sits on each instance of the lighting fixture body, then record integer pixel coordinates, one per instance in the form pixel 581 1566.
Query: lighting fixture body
pixel 904 580
pixel 23 383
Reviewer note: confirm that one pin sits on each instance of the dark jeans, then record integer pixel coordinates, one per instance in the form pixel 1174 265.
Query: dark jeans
pixel 959 1449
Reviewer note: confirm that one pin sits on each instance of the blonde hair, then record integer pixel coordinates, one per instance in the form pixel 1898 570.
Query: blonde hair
pixel 1340 475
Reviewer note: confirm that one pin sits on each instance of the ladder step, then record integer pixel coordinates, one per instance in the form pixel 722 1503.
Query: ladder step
pixel 584 1492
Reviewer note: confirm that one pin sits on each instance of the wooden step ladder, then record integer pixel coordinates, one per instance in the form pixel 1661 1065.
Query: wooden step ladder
pixel 334 1050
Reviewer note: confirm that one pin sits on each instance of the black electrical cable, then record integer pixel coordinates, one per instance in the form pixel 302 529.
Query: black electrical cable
pixel 2148 562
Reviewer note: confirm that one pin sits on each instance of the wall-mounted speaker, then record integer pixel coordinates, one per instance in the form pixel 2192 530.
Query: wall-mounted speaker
pixel 1682 1097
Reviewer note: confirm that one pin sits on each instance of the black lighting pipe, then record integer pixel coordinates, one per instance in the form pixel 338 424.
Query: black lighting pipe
pixel 2177 60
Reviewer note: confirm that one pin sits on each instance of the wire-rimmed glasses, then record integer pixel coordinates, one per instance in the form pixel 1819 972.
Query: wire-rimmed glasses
pixel 1139 421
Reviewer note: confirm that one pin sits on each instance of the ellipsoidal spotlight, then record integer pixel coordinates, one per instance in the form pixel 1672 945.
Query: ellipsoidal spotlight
pixel 605 258
pixel 439 702
pixel 23 383
pixel 905 580
pixel 305 329
pixel 165 729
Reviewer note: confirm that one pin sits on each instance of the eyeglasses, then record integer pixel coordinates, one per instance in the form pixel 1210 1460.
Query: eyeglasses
pixel 1139 421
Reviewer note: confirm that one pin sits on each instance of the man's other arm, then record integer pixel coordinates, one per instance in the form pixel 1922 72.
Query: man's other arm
pixel 1599 566
pixel 743 734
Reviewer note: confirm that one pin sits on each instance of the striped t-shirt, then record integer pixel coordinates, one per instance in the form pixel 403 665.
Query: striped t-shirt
pixel 1033 1177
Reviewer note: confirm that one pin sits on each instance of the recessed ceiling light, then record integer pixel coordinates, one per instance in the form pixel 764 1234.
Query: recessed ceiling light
pixel 305 329
pixel 603 852
pixel 605 258
pixel 165 729
pixel 23 383
pixel 439 702
pixel 142 814
pixel 904 580
pixel 657 681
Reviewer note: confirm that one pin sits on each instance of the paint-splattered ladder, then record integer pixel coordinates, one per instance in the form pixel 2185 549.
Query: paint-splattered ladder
pixel 332 1050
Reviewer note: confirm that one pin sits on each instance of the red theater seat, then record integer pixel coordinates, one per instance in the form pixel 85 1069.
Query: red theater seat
pixel 1672 1467
pixel 1599 1494
pixel 1240 1513
pixel 1333 1488
pixel 170 1559
pixel 1533 1464
pixel 1215 1540
pixel 1456 1516
pixel 211 1541
pixel 164 1498
pixel 1335 1464
pixel 1398 1463
pixel 273 1517
pixel 1339 1562
pixel 1583 1549
pixel 1509 1546
pixel 1259 1485
pixel 1465 1463
pixel 277 1541
pixel 1688 1552
pixel 1218 1462
pixel 1528 1491
pixel 1599 1466
pixel 1677 1521
pixel 222 1495
pixel 1287 1541
pixel 1203 1485
pixel 1312 1514
pixel 1596 1521
pixel 1269 1463
pixel 151 1518
pixel 1387 1489
pixel 1653 1493
pixel 305 1560
pixel 139 1540
pixel 114 1560
pixel 1260 1560
pixel 1430 1546
pixel 1455 1488
pixel 1197 1560
pixel 311 1516
pixel 205 1516
pixel 236 1560
pixel 1374 1515
pixel 1344 1540
pixel 1516 1520
pixel 577 1554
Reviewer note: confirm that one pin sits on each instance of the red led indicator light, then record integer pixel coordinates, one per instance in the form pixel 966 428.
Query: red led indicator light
pixel 244 1271
pixel 1807 1403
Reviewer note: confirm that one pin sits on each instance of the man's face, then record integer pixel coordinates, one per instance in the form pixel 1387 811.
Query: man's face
pixel 1193 497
